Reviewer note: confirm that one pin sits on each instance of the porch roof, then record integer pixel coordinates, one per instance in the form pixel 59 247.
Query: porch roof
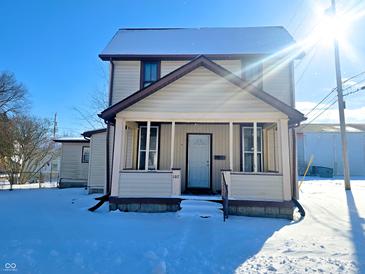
pixel 110 113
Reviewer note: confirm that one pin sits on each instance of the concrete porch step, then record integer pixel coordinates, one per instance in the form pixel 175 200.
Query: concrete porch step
pixel 200 208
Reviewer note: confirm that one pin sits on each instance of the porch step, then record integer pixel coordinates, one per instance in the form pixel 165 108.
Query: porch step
pixel 200 208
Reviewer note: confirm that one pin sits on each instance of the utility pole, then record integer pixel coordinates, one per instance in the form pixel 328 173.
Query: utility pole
pixel 341 106
pixel 54 125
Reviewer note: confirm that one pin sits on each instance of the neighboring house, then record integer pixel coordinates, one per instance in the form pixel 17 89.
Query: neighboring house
pixel 192 110
pixel 327 137
pixel 97 160
pixel 74 162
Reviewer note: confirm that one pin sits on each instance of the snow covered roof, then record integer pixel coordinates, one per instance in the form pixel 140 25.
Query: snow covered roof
pixel 89 133
pixel 71 140
pixel 330 128
pixel 196 41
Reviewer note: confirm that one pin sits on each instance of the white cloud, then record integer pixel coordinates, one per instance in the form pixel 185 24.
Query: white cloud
pixel 354 115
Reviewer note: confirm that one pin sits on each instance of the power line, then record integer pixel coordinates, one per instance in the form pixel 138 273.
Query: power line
pixel 332 103
pixel 334 89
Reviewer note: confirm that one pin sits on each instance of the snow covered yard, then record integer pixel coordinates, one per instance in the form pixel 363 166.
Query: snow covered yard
pixel 51 231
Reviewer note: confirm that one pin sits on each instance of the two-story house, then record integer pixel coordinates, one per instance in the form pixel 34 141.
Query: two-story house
pixel 195 109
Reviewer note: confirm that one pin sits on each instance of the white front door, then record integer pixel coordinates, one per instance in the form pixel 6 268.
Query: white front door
pixel 199 164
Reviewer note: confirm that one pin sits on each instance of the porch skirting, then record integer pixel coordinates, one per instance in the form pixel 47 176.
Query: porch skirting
pixel 269 209
pixel 148 205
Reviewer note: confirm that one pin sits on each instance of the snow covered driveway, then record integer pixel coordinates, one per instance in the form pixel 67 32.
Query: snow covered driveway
pixel 51 231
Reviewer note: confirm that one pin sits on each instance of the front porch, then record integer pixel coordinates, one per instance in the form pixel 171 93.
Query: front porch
pixel 187 157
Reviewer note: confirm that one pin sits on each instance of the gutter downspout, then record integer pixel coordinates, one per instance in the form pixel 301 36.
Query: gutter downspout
pixel 105 197
pixel 294 172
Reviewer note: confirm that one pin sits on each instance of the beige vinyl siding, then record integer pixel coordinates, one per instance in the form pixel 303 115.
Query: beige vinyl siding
pixel 256 187
pixel 277 80
pixel 145 184
pixel 97 163
pixel 231 65
pixel 71 166
pixel 205 92
pixel 220 146
pixel 126 79
pixel 169 66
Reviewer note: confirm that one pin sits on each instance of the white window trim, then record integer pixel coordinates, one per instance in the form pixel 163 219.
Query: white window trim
pixel 252 152
pixel 150 150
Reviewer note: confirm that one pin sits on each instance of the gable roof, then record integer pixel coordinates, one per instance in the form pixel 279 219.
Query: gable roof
pixel 330 128
pixel 294 115
pixel 71 140
pixel 89 133
pixel 191 42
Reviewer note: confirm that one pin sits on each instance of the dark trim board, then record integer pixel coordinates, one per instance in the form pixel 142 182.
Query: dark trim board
pixel 172 57
pixel 89 133
pixel 196 190
pixel 71 141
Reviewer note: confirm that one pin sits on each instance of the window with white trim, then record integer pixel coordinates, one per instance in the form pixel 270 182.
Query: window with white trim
pixel 153 152
pixel 248 149
pixel 85 154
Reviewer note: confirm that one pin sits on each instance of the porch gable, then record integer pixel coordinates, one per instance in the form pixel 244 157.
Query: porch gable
pixel 212 76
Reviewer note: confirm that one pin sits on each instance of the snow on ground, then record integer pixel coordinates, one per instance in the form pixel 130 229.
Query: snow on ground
pixel 51 231
pixel 6 185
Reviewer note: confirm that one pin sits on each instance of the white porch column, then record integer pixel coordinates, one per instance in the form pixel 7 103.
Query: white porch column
pixel 172 145
pixel 231 146
pixel 147 145
pixel 255 146
pixel 284 140
pixel 118 156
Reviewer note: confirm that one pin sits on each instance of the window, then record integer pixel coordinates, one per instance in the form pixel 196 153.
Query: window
pixel 85 154
pixel 150 73
pixel 248 149
pixel 252 73
pixel 153 154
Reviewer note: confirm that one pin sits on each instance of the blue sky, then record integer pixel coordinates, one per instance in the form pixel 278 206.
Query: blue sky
pixel 53 46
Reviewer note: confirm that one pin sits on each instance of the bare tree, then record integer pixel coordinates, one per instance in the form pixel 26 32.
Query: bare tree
pixel 98 101
pixel 12 94
pixel 29 147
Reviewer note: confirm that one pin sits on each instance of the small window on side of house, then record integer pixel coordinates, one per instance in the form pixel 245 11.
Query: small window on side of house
pixel 85 154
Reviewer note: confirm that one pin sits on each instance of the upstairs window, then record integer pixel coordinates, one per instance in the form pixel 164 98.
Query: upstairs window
pixel 85 154
pixel 150 72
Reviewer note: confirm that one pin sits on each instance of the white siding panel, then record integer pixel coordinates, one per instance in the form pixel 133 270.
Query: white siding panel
pixel 71 166
pixel 169 66
pixel 277 80
pixel 205 92
pixel 256 187
pixel 145 184
pixel 97 164
pixel 231 65
pixel 126 79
